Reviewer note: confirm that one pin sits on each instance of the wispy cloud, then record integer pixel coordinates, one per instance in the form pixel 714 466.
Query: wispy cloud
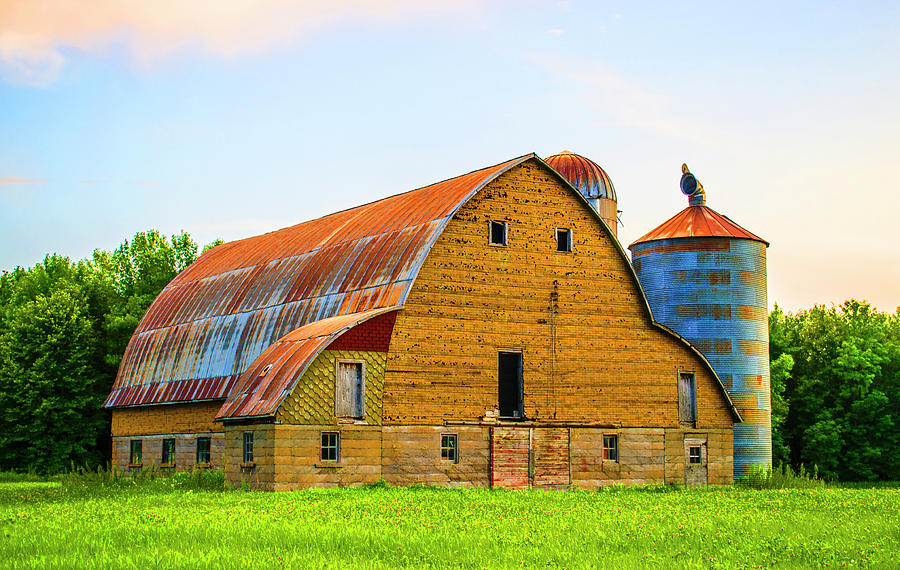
pixel 621 100
pixel 16 180
pixel 147 184
pixel 34 33
pixel 556 32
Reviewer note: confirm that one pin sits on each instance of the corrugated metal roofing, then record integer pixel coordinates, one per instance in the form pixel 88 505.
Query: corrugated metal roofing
pixel 584 174
pixel 217 316
pixel 267 382
pixel 697 221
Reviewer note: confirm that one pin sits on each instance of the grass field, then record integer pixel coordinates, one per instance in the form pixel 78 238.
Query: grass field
pixel 49 525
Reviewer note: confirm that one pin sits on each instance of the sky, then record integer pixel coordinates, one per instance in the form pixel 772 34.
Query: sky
pixel 228 119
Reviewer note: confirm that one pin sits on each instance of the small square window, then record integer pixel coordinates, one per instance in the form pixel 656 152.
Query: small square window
pixel 611 447
pixel 248 447
pixel 498 233
pixel 203 446
pixel 331 446
pixel 136 456
pixel 449 449
pixel 695 455
pixel 563 239
pixel 168 451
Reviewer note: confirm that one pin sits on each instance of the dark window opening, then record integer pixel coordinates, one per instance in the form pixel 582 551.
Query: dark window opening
pixel 203 448
pixel 331 446
pixel 611 447
pixel 248 447
pixel 695 455
pixel 510 385
pixel 350 398
pixel 448 448
pixel 136 455
pixel 168 451
pixel 687 397
pixel 563 239
pixel 498 233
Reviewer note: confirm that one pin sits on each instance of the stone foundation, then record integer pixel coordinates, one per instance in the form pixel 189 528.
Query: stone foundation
pixel 288 457
pixel 185 450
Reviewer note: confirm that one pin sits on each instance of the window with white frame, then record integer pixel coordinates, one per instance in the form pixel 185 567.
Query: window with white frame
pixel 248 447
pixel 331 446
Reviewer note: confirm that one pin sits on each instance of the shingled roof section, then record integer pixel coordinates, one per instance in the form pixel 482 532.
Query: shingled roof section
pixel 218 316
pixel 697 221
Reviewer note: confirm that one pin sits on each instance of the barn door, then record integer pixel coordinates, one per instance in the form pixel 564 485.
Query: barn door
pixel 521 457
pixel 510 450
pixel 550 449
pixel 695 461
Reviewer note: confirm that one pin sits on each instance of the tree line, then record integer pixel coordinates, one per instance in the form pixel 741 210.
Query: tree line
pixel 835 383
pixel 64 326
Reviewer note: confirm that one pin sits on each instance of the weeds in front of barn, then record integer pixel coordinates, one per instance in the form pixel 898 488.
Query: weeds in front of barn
pixel 154 523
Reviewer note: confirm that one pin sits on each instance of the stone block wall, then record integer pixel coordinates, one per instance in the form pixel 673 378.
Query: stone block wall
pixel 412 454
pixel 185 450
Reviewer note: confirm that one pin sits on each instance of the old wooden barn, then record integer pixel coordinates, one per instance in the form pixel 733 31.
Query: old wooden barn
pixel 487 330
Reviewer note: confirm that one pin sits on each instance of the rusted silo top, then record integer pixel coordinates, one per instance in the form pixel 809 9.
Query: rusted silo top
pixel 584 174
pixel 698 219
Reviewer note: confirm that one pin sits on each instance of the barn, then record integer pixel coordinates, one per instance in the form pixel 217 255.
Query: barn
pixel 487 330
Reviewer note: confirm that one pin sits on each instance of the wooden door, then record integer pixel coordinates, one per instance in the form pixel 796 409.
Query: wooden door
pixel 695 462
pixel 510 449
pixel 550 448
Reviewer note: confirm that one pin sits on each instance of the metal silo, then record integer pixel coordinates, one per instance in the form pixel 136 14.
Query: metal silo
pixel 705 278
pixel 591 181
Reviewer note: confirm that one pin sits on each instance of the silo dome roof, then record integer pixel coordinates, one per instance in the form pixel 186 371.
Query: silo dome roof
pixel 584 174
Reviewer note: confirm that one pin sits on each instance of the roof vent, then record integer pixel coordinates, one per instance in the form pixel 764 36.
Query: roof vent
pixel 692 188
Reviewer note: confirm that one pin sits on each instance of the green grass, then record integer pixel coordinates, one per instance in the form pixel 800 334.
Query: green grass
pixel 64 525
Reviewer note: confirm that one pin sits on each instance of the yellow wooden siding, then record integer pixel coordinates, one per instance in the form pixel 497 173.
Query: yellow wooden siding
pixel 590 350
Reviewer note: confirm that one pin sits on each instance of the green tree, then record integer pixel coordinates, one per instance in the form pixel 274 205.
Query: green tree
pixel 53 376
pixel 138 271
pixel 838 405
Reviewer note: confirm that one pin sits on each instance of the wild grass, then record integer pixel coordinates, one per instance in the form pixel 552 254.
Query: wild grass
pixel 782 477
pixel 64 525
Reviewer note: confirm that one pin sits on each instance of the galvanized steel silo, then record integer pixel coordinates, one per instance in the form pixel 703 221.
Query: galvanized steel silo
pixel 705 278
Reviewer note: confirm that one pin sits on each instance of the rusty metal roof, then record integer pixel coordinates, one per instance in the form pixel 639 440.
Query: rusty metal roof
pixel 216 318
pixel 697 221
pixel 267 382
pixel 584 174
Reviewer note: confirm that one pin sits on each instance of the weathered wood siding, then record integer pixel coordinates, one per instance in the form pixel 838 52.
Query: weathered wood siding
pixel 311 401
pixel 590 351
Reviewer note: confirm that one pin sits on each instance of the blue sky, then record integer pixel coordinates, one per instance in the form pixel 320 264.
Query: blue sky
pixel 228 120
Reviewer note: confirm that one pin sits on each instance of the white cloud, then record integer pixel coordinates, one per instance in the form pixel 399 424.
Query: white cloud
pixel 621 101
pixel 34 33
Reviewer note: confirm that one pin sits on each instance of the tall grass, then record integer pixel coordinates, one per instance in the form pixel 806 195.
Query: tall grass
pixel 146 525
pixel 782 477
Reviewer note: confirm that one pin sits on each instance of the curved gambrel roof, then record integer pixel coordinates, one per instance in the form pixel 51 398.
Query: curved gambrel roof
pixel 217 316
pixel 282 297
